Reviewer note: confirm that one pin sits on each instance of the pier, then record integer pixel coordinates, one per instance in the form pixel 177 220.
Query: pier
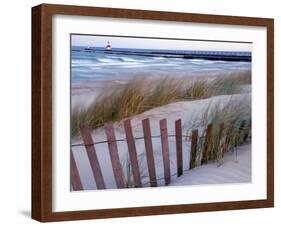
pixel 207 55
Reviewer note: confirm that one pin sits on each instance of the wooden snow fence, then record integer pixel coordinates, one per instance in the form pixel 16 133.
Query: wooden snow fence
pixel 111 141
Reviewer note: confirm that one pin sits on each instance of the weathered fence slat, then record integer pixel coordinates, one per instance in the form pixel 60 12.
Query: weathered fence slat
pixel 92 155
pixel 228 138
pixel 241 132
pixel 220 135
pixel 149 152
pixel 113 152
pixel 178 130
pixel 206 148
pixel 221 130
pixel 75 178
pixel 165 150
pixel 132 152
pixel 248 130
pixel 193 151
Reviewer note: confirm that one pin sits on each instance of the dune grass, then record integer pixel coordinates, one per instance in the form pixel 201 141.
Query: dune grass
pixel 229 84
pixel 233 115
pixel 140 95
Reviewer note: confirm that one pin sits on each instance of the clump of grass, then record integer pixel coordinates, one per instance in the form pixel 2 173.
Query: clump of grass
pixel 225 85
pixel 128 172
pixel 78 117
pixel 127 168
pixel 232 115
pixel 116 104
pixel 130 99
pixel 235 116
pixel 198 89
pixel 139 95
pixel 164 91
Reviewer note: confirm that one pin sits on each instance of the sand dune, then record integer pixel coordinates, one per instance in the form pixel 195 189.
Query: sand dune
pixel 188 111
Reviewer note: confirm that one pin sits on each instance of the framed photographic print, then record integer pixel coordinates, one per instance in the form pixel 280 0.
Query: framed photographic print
pixel 147 112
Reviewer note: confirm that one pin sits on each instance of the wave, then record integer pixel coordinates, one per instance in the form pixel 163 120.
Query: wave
pixel 110 66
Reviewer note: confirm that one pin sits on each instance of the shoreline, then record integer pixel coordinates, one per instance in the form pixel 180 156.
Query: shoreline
pixel 84 92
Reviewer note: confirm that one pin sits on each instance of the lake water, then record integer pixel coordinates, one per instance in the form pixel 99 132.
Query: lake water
pixel 101 66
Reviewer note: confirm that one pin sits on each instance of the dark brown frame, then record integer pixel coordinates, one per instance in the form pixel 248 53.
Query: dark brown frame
pixel 42 112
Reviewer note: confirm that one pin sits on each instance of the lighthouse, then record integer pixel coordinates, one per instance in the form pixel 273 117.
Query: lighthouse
pixel 108 46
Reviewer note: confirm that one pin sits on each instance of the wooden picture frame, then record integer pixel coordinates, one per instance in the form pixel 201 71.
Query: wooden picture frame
pixel 42 112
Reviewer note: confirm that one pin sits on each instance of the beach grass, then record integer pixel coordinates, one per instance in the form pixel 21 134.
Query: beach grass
pixel 236 118
pixel 140 95
pixel 226 85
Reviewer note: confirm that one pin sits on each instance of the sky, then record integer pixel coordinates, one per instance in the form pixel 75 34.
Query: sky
pixel 150 43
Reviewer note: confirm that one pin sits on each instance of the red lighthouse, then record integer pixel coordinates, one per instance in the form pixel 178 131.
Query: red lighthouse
pixel 108 46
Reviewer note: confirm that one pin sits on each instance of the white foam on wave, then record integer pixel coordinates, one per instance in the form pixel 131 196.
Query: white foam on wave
pixel 108 65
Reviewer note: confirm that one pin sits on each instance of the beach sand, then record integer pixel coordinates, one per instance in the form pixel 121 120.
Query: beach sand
pixel 83 93
pixel 234 169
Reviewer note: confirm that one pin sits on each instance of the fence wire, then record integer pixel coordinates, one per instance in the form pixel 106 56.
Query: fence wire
pixel 139 138
pixel 124 140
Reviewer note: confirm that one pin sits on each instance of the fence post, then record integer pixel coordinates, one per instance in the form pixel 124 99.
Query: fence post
pixel 132 152
pixel 241 132
pixel 221 128
pixel 193 151
pixel 92 155
pixel 227 138
pixel 247 131
pixel 114 157
pixel 206 149
pixel 75 178
pixel 178 129
pixel 165 150
pixel 149 152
